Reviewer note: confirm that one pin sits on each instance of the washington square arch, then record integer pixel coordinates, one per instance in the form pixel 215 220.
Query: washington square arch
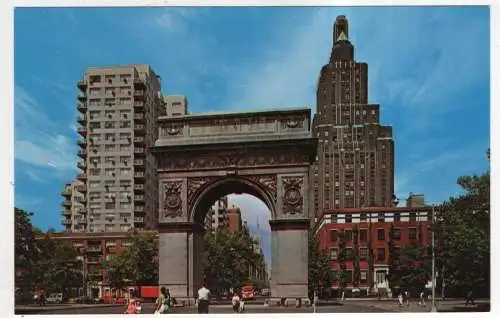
pixel 202 157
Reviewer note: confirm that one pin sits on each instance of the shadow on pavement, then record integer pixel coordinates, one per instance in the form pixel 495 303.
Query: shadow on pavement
pixel 477 308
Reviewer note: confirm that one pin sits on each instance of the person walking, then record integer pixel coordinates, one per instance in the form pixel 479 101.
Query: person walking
pixel 203 299
pixel 163 301
pixel 422 299
pixel 400 299
pixel 407 298
pixel 235 301
pixel 131 304
pixel 470 298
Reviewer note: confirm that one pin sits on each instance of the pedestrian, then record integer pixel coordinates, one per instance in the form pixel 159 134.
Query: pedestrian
pixel 163 301
pixel 470 298
pixel 235 301
pixel 400 299
pixel 422 299
pixel 407 298
pixel 42 298
pixel 203 299
pixel 131 304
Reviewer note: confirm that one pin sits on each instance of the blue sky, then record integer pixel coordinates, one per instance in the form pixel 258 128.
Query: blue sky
pixel 429 70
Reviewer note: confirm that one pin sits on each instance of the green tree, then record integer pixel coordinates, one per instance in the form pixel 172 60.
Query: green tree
pixel 135 265
pixel 320 273
pixel 463 234
pixel 26 255
pixel 342 258
pixel 355 258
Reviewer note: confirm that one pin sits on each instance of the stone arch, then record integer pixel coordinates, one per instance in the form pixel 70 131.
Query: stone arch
pixel 227 185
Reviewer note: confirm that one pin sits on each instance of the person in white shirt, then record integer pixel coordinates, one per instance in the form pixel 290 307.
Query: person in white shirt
pixel 236 302
pixel 203 299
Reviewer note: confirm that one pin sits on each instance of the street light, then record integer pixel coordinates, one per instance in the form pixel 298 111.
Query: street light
pixel 433 308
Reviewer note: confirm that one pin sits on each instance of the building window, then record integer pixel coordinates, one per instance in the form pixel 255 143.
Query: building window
pixel 348 254
pixel 397 217
pixel 413 216
pixel 348 235
pixel 363 217
pixel 381 217
pixel 363 277
pixel 333 236
pixel 363 235
pixel 348 218
pixel 412 233
pixel 396 234
pixel 334 254
pixel 381 234
pixel 363 254
pixel 381 254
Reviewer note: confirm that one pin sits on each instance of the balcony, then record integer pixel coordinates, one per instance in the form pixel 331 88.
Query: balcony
pixel 138 162
pixel 82 221
pixel 93 260
pixel 139 95
pixel 82 211
pixel 82 153
pixel 66 203
pixel 138 197
pixel 139 208
pixel 94 248
pixel 82 97
pixel 139 187
pixel 82 176
pixel 81 188
pixel 82 131
pixel 138 104
pixel 138 83
pixel 66 192
pixel 82 119
pixel 139 150
pixel 82 85
pixel 81 165
pixel 139 219
pixel 81 199
pixel 139 139
pixel 139 174
pixel 81 143
pixel 139 129
pixel 66 212
pixel 66 222
pixel 139 117
pixel 82 107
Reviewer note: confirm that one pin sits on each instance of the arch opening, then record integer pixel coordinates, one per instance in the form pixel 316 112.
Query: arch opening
pixel 227 186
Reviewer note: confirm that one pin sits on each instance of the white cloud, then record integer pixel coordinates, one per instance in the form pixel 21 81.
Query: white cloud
pixel 37 139
pixel 33 176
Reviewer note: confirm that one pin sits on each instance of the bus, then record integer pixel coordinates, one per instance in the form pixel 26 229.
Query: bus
pixel 247 292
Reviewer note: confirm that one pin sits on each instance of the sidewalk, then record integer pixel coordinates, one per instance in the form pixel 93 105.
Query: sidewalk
pixel 26 309
pixel 442 306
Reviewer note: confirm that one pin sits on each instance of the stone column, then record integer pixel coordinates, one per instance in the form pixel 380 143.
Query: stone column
pixel 176 266
pixel 289 239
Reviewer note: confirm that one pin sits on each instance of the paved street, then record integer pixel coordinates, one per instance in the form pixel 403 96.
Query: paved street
pixel 356 306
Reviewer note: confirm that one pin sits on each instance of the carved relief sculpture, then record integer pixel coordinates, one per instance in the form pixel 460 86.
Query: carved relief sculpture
pixel 172 201
pixel 195 184
pixel 292 195
pixel 268 182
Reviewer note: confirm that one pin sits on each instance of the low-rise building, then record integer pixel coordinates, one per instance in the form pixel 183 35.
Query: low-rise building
pixel 410 224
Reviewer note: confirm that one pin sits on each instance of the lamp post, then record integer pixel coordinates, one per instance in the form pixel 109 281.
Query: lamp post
pixel 433 308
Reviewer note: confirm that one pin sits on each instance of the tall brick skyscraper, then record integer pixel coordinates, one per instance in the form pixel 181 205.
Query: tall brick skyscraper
pixel 355 163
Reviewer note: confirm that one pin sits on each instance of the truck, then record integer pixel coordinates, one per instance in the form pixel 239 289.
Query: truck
pixel 149 293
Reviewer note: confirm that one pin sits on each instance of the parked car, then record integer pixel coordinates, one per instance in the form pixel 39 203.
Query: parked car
pixel 54 298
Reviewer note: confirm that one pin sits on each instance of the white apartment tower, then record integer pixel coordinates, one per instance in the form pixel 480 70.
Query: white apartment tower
pixel 73 204
pixel 118 109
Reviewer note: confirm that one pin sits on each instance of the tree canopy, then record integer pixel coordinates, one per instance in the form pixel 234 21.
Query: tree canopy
pixel 320 272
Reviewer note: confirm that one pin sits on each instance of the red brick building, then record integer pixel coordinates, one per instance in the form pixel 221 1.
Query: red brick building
pixel 411 225
pixel 234 220
pixel 93 249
